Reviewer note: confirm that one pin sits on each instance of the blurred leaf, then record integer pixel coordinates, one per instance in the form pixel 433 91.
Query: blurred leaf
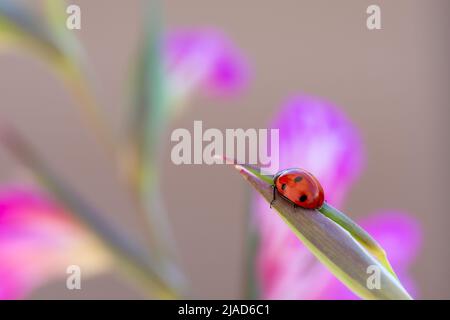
pixel 335 247
pixel 55 13
pixel 21 29
pixel 148 120
pixel 130 256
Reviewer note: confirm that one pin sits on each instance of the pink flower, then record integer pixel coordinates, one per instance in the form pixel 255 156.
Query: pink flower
pixel 203 59
pixel 39 241
pixel 316 136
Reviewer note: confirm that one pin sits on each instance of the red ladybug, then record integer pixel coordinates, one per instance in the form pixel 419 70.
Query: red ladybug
pixel 300 187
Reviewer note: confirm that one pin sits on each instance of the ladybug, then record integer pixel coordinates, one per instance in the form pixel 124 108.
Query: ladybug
pixel 299 187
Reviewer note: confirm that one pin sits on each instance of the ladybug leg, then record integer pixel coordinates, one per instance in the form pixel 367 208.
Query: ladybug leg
pixel 273 199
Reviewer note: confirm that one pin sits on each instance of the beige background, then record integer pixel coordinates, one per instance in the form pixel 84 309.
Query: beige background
pixel 393 83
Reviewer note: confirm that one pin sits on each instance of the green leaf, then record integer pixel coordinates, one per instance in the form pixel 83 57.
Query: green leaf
pixel 358 233
pixel 334 246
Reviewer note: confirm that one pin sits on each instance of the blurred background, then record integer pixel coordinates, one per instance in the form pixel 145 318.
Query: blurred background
pixel 392 83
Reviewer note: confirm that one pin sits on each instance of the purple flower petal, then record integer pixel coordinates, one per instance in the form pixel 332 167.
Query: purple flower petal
pixel 398 233
pixel 203 59
pixel 38 241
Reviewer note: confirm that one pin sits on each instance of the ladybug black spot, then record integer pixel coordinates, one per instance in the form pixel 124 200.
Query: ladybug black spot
pixel 283 186
pixel 303 198
pixel 298 179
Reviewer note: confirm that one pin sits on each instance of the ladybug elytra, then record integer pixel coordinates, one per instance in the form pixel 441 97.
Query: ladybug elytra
pixel 300 187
